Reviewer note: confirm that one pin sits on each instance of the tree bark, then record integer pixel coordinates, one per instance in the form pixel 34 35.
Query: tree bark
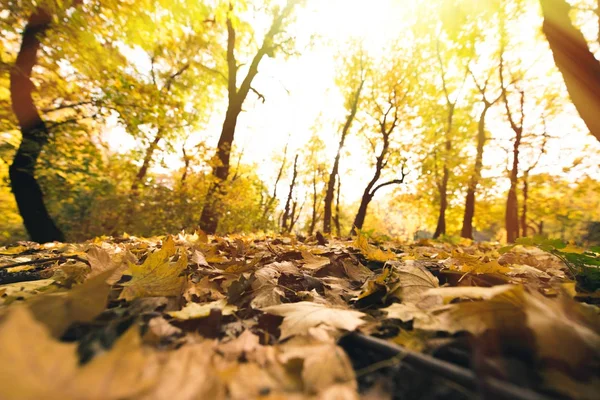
pixel 443 189
pixel 143 171
pixel 28 194
pixel 467 228
pixel 209 220
pixel 579 67
pixel 336 219
pixel 286 211
pixel 524 227
pixel 327 212
pixel 315 211
pixel 512 205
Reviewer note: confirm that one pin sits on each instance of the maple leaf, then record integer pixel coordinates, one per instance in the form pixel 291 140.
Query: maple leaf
pixel 300 317
pixel 324 365
pixel 371 252
pixel 101 260
pixel 412 281
pixel 157 276
pixel 32 364
pixel 502 311
pixel 58 310
pixel 471 292
pixel 405 312
pixel 314 262
pixel 195 310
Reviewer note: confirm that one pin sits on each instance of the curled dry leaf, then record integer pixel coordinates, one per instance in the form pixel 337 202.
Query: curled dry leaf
pixel 300 317
pixel 196 310
pixel 157 276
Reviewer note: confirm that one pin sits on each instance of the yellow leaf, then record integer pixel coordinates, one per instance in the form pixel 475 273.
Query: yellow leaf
pixel 300 317
pixel 471 292
pixel 195 310
pixel 58 310
pixel 32 364
pixel 11 251
pixel 157 276
pixel 123 372
pixel 372 252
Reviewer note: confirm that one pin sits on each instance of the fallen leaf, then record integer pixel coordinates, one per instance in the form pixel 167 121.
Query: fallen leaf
pixel 300 317
pixel 371 252
pixel 157 276
pixel 314 262
pixel 412 281
pixel 58 310
pixel 32 364
pixel 195 310
pixel 405 312
pixel 470 292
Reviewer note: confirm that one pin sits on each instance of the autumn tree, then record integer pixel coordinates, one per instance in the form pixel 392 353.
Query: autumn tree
pixel 391 90
pixel 35 132
pixel 351 81
pixel 272 41
pixel 579 68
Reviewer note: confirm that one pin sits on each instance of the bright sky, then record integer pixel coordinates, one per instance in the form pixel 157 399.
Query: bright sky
pixel 300 93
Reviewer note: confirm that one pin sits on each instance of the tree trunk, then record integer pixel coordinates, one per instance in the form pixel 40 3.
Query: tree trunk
pixel 286 211
pixel 579 67
pixel 336 162
pixel 512 204
pixel 441 224
pixel 28 194
pixel 467 228
pixel 361 215
pixel 139 178
pixel 313 219
pixel 336 220
pixel 524 208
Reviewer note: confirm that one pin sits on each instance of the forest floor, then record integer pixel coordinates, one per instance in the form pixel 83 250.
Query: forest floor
pixel 240 317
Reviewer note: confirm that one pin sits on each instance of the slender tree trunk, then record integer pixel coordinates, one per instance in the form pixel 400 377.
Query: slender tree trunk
pixel 28 194
pixel 209 220
pixel 143 171
pixel 186 169
pixel 361 215
pixel 467 228
pixel 512 204
pixel 313 219
pixel 327 212
pixel 524 208
pixel 271 201
pixel 443 188
pixel 579 67
pixel 336 219
pixel 288 203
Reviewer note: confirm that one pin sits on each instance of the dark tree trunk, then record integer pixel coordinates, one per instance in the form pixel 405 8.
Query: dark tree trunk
pixel 28 194
pixel 287 213
pixel 512 204
pixel 315 202
pixel 443 188
pixel 579 67
pixel 209 220
pixel 327 212
pixel 467 228
pixel 361 215
pixel 143 171
pixel 524 226
pixel 336 219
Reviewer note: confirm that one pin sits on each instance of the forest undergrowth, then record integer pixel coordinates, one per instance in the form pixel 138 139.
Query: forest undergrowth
pixel 193 316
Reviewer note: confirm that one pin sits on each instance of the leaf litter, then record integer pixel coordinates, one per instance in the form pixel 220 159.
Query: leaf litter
pixel 196 317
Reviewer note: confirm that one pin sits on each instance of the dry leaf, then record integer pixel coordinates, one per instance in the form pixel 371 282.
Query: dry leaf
pixel 157 276
pixel 300 317
pixel 32 364
pixel 58 310
pixel 314 262
pixel 195 310
pixel 372 252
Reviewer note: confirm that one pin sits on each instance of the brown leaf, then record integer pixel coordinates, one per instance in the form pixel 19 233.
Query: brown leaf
pixel 300 317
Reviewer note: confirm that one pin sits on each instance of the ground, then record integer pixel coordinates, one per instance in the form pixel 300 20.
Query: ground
pixel 193 316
